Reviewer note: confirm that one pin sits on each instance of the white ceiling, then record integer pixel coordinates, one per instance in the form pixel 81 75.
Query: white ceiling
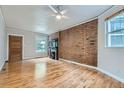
pixel 38 18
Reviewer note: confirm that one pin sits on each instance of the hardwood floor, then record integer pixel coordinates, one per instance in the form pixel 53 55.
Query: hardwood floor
pixel 44 72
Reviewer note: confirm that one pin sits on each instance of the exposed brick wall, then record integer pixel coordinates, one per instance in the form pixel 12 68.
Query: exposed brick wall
pixel 79 43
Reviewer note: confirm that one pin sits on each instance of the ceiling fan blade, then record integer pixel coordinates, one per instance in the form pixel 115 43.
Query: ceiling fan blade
pixel 57 11
pixel 63 12
pixel 66 17
pixel 53 14
pixel 52 8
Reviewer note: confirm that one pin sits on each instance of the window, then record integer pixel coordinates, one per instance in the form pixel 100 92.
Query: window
pixel 40 46
pixel 115 31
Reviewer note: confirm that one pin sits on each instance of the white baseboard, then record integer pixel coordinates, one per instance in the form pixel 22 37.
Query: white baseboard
pixel 1 66
pixel 77 63
pixel 95 68
pixel 111 75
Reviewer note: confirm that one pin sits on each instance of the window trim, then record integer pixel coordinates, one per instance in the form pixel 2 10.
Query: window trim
pixel 107 30
pixel 44 48
pixel 115 14
pixel 109 39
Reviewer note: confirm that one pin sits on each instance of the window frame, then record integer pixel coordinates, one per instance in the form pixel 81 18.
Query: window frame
pixel 37 46
pixel 108 34
pixel 109 39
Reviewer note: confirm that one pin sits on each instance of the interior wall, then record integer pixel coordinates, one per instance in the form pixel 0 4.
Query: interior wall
pixel 79 43
pixel 109 59
pixel 29 43
pixel 54 36
pixel 2 40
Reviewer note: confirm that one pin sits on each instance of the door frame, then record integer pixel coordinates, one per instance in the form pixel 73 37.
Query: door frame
pixel 8 44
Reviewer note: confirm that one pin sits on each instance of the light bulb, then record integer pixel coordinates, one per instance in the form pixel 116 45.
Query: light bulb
pixel 58 16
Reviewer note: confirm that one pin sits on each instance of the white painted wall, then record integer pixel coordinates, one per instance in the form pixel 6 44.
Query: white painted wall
pixel 29 43
pixel 2 40
pixel 109 59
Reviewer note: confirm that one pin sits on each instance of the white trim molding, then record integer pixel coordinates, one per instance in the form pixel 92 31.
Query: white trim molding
pixel 1 66
pixel 8 44
pixel 111 75
pixel 95 68
pixel 77 24
pixel 85 21
pixel 77 63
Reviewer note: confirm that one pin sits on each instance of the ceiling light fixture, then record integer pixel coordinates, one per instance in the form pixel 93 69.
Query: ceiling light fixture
pixel 59 11
pixel 58 16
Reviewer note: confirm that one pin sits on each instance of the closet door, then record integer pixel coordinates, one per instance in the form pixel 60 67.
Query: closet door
pixel 15 48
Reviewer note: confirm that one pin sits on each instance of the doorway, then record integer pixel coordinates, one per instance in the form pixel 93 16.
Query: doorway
pixel 15 48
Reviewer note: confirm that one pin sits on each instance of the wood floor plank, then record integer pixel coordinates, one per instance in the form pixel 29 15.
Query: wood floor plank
pixel 44 72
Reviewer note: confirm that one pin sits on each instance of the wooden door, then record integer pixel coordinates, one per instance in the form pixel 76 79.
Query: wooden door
pixel 15 48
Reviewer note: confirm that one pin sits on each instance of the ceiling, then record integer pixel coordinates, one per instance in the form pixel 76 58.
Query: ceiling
pixel 38 18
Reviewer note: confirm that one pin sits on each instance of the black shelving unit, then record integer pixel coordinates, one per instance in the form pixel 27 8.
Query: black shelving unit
pixel 53 49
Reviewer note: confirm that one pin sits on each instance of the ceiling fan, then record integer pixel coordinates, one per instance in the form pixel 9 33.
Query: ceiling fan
pixel 58 10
